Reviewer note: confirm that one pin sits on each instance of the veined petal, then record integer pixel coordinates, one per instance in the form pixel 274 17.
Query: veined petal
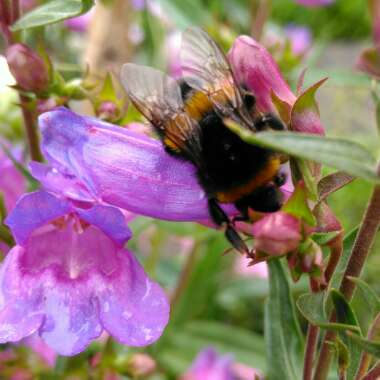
pixel 71 314
pixel 33 210
pixel 110 220
pixel 22 316
pixel 133 309
pixel 60 183
pixel 123 168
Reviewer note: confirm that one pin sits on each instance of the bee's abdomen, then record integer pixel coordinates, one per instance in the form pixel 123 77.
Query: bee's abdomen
pixel 231 167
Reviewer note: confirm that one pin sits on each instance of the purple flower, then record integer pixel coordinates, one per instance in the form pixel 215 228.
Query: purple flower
pixel 69 277
pixel 121 167
pixel 300 38
pixel 80 23
pixel 12 182
pixel 314 3
pixel 210 366
pixel 29 69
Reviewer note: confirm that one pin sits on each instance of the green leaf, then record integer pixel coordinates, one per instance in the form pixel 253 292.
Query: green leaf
pixel 185 12
pixel 372 347
pixel 282 332
pixel 312 307
pixel 297 205
pixel 333 182
pixel 368 295
pixel 348 243
pixel 51 12
pixel 343 310
pixel 341 154
pixel 202 282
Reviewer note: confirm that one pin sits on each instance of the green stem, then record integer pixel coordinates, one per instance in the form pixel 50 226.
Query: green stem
pixel 30 125
pixel 373 374
pixel 184 277
pixel 362 246
pixel 310 349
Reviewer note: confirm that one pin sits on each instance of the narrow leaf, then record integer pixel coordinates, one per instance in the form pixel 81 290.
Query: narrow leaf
pixel 282 332
pixel 51 12
pixel 341 154
pixel 312 308
pixel 372 347
pixel 333 182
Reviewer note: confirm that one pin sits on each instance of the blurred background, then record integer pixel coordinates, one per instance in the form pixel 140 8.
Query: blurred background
pixel 217 300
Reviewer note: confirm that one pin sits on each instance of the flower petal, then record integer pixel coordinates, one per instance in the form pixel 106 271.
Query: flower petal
pixel 33 210
pixel 123 168
pixel 71 314
pixel 20 311
pixel 59 183
pixel 133 309
pixel 110 220
pixel 254 67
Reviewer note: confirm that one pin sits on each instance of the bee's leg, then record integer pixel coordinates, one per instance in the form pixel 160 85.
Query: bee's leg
pixel 220 218
pixel 242 206
pixel 269 121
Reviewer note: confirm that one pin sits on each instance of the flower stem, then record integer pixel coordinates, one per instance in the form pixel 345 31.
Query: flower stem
pixel 365 359
pixel 373 374
pixel 184 277
pixel 31 130
pixel 310 349
pixel 362 246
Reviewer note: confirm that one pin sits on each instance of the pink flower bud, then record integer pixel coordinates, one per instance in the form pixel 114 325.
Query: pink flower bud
pixel 28 68
pixel 141 365
pixel 277 233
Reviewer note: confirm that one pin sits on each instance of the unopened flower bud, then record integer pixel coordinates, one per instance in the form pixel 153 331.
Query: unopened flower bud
pixel 28 68
pixel 141 365
pixel 108 111
pixel 277 233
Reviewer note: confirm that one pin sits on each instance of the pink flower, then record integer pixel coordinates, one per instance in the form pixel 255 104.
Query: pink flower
pixel 259 270
pixel 173 46
pixel 255 68
pixel 208 365
pixel 277 233
pixel 27 67
pixel 299 37
pixel 80 23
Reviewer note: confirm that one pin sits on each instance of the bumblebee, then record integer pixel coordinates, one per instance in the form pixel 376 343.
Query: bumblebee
pixel 189 116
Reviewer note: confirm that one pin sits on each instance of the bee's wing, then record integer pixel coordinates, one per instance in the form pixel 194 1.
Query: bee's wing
pixel 205 67
pixel 158 97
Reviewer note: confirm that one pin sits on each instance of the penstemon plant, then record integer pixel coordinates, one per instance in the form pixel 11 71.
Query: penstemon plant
pixel 112 267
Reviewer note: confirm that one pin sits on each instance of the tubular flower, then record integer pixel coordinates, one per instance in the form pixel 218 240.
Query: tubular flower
pixel 69 277
pixel 29 69
pixel 121 167
pixel 255 68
